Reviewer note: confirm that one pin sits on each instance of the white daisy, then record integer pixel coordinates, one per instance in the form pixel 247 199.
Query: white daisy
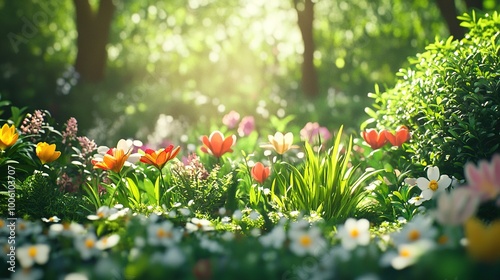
pixel 31 254
pixel 434 183
pixel 107 242
pixel 354 232
pixel 419 228
pixel 163 234
pixel 199 224
pixel 406 255
pixel 303 242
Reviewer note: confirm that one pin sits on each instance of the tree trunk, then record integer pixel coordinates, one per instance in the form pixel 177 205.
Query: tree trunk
pixel 305 13
pixel 474 4
pixel 93 34
pixel 449 13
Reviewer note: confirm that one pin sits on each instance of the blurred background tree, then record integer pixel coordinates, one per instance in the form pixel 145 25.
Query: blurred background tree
pixel 196 60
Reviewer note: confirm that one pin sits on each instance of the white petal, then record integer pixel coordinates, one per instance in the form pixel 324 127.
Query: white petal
pixel 427 194
pixel 363 225
pixel 102 150
pixel 433 173
pixel 133 158
pixel 444 182
pixel 423 183
pixel 288 138
pixel 42 254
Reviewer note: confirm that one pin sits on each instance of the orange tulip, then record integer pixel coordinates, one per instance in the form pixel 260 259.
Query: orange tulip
pixel 374 138
pixel 113 160
pixel 401 136
pixel 260 172
pixel 217 145
pixel 161 157
pixel 8 136
pixel 47 153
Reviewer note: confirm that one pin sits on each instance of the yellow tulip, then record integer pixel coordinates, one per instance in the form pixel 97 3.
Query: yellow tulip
pixel 482 240
pixel 47 152
pixel 280 143
pixel 8 136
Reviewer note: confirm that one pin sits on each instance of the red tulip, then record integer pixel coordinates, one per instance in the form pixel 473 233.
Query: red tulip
pixel 374 138
pixel 260 172
pixel 401 135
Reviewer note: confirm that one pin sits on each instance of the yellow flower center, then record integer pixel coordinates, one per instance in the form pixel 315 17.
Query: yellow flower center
pixel 2 223
pixel 32 252
pixel 414 235
pixel 66 226
pixel 161 233
pixel 443 239
pixel 404 253
pixel 354 233
pixel 22 226
pixel 305 241
pixel 89 243
pixel 433 185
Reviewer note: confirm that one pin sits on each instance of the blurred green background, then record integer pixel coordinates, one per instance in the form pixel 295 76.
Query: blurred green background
pixel 117 65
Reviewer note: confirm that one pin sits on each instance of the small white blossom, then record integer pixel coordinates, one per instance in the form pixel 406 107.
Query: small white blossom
pixel 354 232
pixel 31 254
pixel 434 183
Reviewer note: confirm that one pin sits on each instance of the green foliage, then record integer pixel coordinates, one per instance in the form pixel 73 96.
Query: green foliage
pixel 325 183
pixel 39 197
pixel 449 98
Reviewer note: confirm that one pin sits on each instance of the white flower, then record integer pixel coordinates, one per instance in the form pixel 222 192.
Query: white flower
pixel 211 245
pixel 354 232
pixel 254 216
pixel 275 238
pixel 28 274
pixel 66 229
pixel 434 183
pixel 163 234
pixel 199 224
pixel 304 242
pixel 107 242
pixel 173 257
pixel 28 255
pixel 126 146
pixel 86 245
pixel 53 219
pixel 102 213
pixel 419 228
pixel 406 255
pixel 416 200
pixel 184 212
pixel 237 215
pixel 75 276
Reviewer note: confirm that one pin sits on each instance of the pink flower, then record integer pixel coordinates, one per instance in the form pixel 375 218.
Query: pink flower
pixel 484 178
pixel 247 125
pixel 312 132
pixel 231 119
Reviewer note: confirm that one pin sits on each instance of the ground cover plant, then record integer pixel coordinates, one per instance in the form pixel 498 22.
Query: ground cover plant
pixel 255 201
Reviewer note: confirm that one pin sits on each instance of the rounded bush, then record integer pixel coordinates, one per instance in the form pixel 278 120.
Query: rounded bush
pixel 449 97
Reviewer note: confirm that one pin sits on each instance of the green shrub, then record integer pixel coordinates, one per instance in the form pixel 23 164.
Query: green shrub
pixel 449 97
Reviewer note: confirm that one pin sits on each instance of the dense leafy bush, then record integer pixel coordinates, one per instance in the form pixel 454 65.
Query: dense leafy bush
pixel 449 98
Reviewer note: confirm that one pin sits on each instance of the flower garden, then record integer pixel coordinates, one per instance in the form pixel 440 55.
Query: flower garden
pixel 414 194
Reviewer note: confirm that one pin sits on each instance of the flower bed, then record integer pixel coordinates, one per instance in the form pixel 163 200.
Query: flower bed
pixel 291 213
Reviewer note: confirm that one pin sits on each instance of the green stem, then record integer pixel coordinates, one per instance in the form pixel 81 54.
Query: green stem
pixel 112 197
pixel 163 189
